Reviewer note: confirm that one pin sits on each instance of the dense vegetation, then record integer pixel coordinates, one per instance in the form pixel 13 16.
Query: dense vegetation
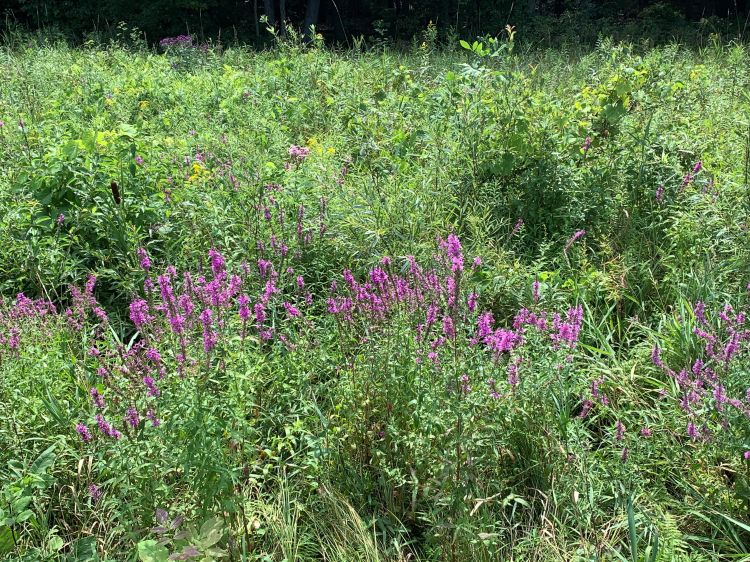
pixel 458 303
pixel 540 22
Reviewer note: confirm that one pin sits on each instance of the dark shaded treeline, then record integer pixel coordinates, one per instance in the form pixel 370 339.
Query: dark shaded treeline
pixel 338 20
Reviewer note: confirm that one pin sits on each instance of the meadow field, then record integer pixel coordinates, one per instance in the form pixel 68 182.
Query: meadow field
pixel 456 302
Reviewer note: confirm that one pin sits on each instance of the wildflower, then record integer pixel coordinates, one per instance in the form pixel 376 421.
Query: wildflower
pixel 464 380
pixel 624 454
pixel 139 313
pixel 153 355
pixel 699 309
pixel 586 145
pixel 291 310
pixel 471 302
pixel 139 160
pixel 586 408
pixel 746 454
pixel 645 432
pixel 659 194
pixel 145 261
pixel 299 153
pixel 217 261
pixel 94 492
pixel 619 430
pixel 132 418
pixel 448 328
pixel 692 431
pixel 151 386
pixel 244 301
pixel 107 428
pixel 84 432
pixel 517 227
pixel 513 379
pixel 97 398
pixel 60 219
pixel 577 235
pixel 155 422
pixel 477 262
pixel 656 357
pixel 535 291
pixel 209 336
pixel 452 249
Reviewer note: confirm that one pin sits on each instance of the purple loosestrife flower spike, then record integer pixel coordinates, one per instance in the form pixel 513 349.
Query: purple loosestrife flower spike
pixel 619 430
pixel 577 235
pixel 144 259
pixel 535 291
pixel 132 418
pixel 97 398
pixel 291 310
pixel 84 432
pixel 659 194
pixel 139 313
pixel 94 492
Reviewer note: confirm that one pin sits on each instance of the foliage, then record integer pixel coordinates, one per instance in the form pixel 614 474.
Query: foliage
pixel 470 303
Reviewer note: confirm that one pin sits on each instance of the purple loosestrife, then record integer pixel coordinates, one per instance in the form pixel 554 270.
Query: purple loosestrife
pixel 535 291
pixel 586 145
pixel 244 310
pixel 291 310
pixel 132 418
pixel 217 261
pixel 298 153
pixel 452 249
pixel 151 387
pixel 60 219
pixel 619 431
pixel 84 432
pixel 656 357
pixel 139 313
pixel 144 259
pixel 659 196
pixel 449 330
pixel 692 431
pixel 94 492
pixel 151 415
pixel 107 428
pixel 209 335
pixel 577 235
pixel 97 399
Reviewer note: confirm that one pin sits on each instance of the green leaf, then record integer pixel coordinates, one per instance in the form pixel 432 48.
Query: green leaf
pixel 151 551
pixel 211 532
pixel 44 461
pixel 465 45
pixel 6 540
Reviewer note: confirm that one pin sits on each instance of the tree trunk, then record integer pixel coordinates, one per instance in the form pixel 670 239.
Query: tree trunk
pixel 282 17
pixel 270 9
pixel 311 18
